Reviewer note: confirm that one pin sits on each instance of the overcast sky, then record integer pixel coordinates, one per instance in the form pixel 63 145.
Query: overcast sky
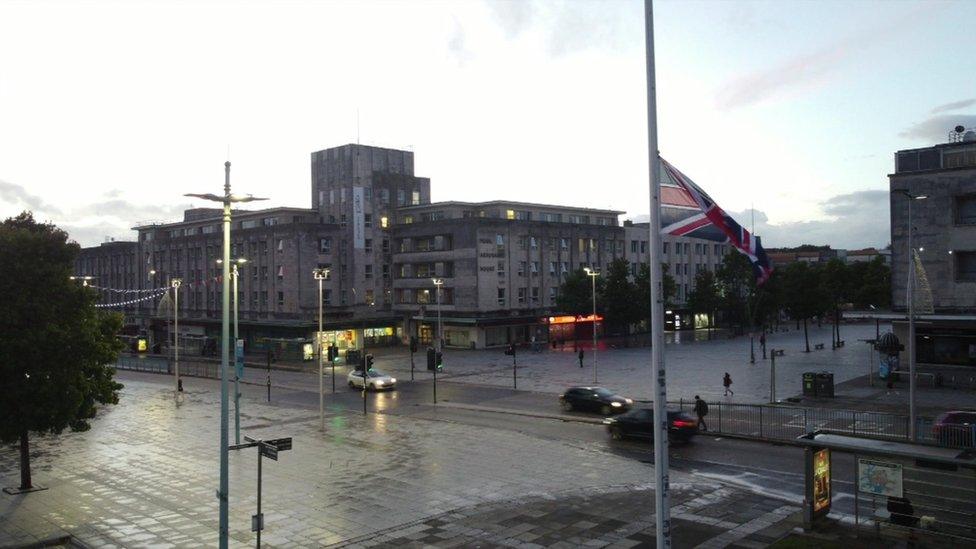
pixel 110 111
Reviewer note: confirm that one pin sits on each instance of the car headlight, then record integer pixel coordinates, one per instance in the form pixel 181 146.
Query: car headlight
pixel 609 421
pixel 629 401
pixel 616 404
pixel 379 383
pixel 393 380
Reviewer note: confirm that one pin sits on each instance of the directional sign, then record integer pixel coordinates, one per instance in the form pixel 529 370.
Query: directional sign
pixel 269 451
pixel 281 444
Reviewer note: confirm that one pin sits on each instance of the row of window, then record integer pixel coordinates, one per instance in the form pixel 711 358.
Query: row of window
pixel 325 245
pixel 525 296
pixel 384 196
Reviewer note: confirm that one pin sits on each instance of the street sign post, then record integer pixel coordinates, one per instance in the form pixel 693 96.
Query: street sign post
pixel 268 449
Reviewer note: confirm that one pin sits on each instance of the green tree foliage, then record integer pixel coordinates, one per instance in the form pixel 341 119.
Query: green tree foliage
pixel 621 297
pixel 55 344
pixel 836 288
pixel 705 297
pixel 576 294
pixel 737 283
pixel 802 294
pixel 643 283
pixel 870 284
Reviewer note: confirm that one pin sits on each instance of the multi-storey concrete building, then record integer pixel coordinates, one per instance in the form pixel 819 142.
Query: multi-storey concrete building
pixel 373 226
pixel 944 225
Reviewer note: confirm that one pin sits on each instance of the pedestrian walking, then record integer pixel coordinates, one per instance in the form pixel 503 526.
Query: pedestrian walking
pixel 581 358
pixel 727 381
pixel 701 410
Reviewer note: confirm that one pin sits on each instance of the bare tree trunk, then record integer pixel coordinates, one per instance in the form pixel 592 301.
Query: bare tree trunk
pixel 806 336
pixel 837 322
pixel 25 471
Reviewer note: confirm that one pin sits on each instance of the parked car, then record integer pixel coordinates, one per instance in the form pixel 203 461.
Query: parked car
pixel 639 423
pixel 594 399
pixel 375 380
pixel 956 429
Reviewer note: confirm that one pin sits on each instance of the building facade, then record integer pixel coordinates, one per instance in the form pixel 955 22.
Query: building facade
pixel 944 236
pixel 373 226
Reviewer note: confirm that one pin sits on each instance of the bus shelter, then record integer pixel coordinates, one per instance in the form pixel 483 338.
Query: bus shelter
pixel 900 489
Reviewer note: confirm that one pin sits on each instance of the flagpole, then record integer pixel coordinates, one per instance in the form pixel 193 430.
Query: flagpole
pixel 662 511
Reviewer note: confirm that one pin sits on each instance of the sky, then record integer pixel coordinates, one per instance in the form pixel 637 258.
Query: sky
pixel 787 113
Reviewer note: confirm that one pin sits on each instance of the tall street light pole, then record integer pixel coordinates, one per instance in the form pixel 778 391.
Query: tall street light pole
pixel 320 275
pixel 438 282
pixel 227 199
pixel 910 298
pixel 238 359
pixel 593 274
pixel 662 489
pixel 175 283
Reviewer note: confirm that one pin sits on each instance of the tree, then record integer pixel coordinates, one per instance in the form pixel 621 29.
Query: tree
pixel 870 284
pixel 835 286
pixel 705 297
pixel 643 283
pixel 55 344
pixel 620 296
pixel 576 294
pixel 802 294
pixel 737 283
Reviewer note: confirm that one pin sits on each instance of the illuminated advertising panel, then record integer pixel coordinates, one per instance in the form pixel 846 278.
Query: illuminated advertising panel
pixel 821 482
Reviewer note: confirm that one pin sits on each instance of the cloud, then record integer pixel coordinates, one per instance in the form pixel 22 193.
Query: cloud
pixel 935 129
pixel 856 220
pixel 954 105
pixel 14 194
pixel 456 44
pixel 513 16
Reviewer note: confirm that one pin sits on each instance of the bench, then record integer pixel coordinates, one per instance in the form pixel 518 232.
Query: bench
pixel 778 352
pixel 930 376
pixel 818 346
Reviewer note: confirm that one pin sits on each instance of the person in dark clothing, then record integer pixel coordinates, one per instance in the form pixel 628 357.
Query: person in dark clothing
pixel 581 358
pixel 701 410
pixel 727 381
pixel 902 512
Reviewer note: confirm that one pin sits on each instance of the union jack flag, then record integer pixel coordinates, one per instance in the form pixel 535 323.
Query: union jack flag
pixel 710 222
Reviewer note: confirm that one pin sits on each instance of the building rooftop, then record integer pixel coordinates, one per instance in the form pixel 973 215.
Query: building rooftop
pixel 944 156
pixel 198 215
pixel 455 203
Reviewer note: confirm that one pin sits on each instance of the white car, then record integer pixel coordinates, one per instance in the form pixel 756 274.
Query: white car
pixel 375 380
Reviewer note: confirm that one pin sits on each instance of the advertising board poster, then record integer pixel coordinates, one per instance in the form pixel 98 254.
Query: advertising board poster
pixel 821 481
pixel 879 478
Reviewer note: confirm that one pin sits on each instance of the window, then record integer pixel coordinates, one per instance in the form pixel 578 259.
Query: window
pixel 264 273
pixel 281 299
pixel 407 219
pixel 254 273
pixel 384 222
pixel 633 269
pixel 367 193
pixel 592 244
pixel 264 300
pixel 423 296
pixel 687 248
pixel 564 268
pixel 269 221
pixel 327 297
pixel 281 272
pixel 521 295
pixel 385 196
pixel 552 268
pixel 965 266
pixel 386 271
pixel 551 243
pixel 368 271
pixel 281 246
pixel 535 268
pixel 501 269
pixel 342 195
pixel 677 248
pixel 718 249
pixel 533 243
pixel 415 198
pixel 552 295
pixel 369 297
pixel 331 196
pixel 501 297
pixel 698 248
pixel 521 268
pixel 386 245
pixel 582 245
pixel 966 210
pixel 367 220
pixel 564 243
pixel 342 296
pixel 509 214
pixel 369 245
pixel 535 295
pixel 633 246
pixel 665 248
pixel 401 197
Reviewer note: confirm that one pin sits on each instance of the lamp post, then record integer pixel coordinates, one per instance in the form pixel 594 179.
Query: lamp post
pixel 226 199
pixel 237 359
pixel 910 298
pixel 320 275
pixel 593 274
pixel 438 282
pixel 175 283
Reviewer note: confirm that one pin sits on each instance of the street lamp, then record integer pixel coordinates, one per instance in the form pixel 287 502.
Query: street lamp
pixel 238 352
pixel 438 282
pixel 84 279
pixel 320 275
pixel 593 274
pixel 910 297
pixel 175 283
pixel 227 199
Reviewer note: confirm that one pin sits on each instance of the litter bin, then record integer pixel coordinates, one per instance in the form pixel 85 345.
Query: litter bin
pixel 825 385
pixel 354 357
pixel 809 384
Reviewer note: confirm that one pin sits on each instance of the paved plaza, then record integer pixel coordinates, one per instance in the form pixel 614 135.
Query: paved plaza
pixel 146 474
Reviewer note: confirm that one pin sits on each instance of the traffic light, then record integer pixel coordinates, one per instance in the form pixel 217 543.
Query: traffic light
pixel 332 352
pixel 369 362
pixel 430 358
pixel 413 344
pixel 440 360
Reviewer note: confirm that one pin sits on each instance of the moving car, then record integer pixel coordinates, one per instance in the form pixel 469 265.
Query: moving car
pixel 639 423
pixel 375 380
pixel 956 429
pixel 594 399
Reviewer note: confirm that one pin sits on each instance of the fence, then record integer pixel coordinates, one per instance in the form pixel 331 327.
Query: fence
pixel 786 423
pixel 162 365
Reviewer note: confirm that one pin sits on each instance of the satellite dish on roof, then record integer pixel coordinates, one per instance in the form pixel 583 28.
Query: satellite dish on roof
pixel 959 129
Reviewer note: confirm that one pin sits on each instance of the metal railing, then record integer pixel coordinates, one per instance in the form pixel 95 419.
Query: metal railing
pixel 162 365
pixel 786 423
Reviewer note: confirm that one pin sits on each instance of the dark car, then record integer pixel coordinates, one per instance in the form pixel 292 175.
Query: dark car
pixel 956 429
pixel 594 399
pixel 639 423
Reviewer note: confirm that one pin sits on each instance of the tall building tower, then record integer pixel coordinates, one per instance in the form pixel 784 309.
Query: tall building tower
pixel 359 187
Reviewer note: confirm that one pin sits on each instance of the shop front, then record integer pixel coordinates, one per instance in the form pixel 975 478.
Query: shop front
pixel 573 328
